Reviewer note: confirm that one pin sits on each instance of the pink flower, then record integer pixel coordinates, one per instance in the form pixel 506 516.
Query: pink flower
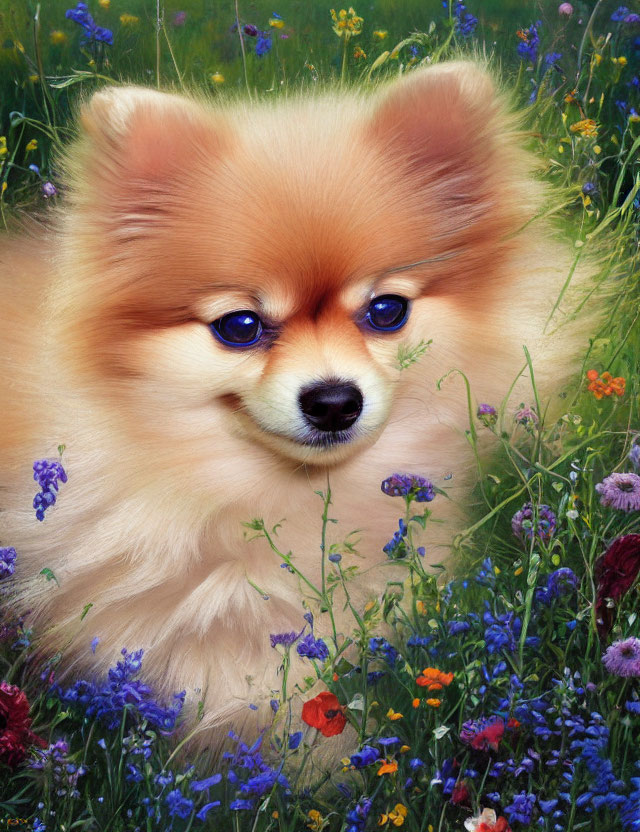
pixel 566 9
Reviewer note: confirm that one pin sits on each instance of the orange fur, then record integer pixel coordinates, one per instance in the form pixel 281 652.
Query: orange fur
pixel 178 212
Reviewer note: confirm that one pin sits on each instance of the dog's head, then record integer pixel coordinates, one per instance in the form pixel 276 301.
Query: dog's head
pixel 254 269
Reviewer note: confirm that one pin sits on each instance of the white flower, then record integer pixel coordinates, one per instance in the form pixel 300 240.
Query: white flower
pixel 487 816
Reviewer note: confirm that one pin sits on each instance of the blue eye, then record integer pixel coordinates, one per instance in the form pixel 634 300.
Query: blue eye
pixel 388 312
pixel 238 329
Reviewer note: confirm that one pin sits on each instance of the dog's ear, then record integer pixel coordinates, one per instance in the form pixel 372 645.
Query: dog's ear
pixel 447 132
pixel 144 135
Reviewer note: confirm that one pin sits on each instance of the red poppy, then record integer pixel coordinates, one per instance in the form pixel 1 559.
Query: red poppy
pixel 15 726
pixel 615 573
pixel 325 713
pixel 460 796
pixel 489 736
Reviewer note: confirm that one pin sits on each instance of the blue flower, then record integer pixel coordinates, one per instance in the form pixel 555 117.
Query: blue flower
pixel 8 557
pixel 561 582
pixel 240 805
pixel 522 808
pixel 263 43
pixel 285 639
pixel 313 648
pixel 457 627
pixel 92 32
pixel 486 575
pixel 382 647
pixel 530 41
pixel 203 785
pixel 294 740
pixel 357 817
pixel 38 825
pixel 202 814
pixel 367 755
pixel 620 13
pixel 178 805
pixel 396 548
pixel 409 485
pixel 47 473
pixel 552 58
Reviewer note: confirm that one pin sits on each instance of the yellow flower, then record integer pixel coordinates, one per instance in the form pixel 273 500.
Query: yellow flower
pixel 634 119
pixel 435 703
pixel 359 53
pixel 585 127
pixel 129 19
pixel 621 61
pixel 316 820
pixel 57 37
pixel 346 24
pixel 380 34
pixel 4 187
pixel 3 147
pixel 396 816
pixel 18 46
pixel 393 715
pixel 34 78
pixel 217 78
pixel 32 145
pixel 404 749
pixel 104 3
pixel 420 605
pixel 275 814
pixel 518 571
pixel 597 59
pixel 394 55
pixel 276 22
pixel 597 149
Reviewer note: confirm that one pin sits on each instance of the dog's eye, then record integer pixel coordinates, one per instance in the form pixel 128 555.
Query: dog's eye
pixel 238 329
pixel 388 312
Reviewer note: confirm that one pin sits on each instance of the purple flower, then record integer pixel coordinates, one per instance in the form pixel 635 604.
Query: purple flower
pixel 632 18
pixel 179 18
pixel 526 415
pixel 522 522
pixel 622 658
pixel 634 456
pixel 285 639
pixel 250 30
pixel 312 648
pixel 92 32
pixel 396 548
pixel 48 189
pixel 487 414
pixel 8 557
pixel 530 41
pixel 590 189
pixel 409 485
pixel 335 557
pixel 620 491
pixel 565 9
pixel 47 473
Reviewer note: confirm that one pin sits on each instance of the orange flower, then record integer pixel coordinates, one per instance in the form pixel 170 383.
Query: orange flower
pixel 416 703
pixel 433 679
pixel 388 768
pixel 435 703
pixel 605 385
pixel 585 127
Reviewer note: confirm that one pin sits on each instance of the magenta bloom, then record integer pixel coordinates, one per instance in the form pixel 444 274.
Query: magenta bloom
pixel 621 491
pixel 622 658
pixel 526 416
pixel 487 414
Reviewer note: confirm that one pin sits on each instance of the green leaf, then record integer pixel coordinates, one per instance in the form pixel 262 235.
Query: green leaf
pixel 48 573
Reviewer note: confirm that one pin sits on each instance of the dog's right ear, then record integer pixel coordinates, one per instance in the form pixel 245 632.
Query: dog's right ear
pixel 140 139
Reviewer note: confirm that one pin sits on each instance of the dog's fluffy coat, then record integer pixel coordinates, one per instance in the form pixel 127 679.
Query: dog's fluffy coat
pixel 177 212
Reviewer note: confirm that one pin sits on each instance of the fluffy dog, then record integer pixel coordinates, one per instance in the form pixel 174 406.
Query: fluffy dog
pixel 211 326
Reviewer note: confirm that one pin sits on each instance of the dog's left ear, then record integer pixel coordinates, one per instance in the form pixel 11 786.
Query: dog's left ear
pixel 447 130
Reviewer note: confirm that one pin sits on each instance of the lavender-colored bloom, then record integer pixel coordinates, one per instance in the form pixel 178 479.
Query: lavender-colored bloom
pixel 526 415
pixel 634 456
pixel 250 30
pixel 487 414
pixel 335 557
pixel 179 18
pixel 522 522
pixel 565 9
pixel 409 485
pixel 48 189
pixel 313 648
pixel 632 18
pixel 263 43
pixel 528 47
pixel 620 13
pixel 8 557
pixel 47 473
pixel 522 808
pixel 622 658
pixel 285 639
pixel 590 189
pixel 92 32
pixel 552 58
pixel 620 491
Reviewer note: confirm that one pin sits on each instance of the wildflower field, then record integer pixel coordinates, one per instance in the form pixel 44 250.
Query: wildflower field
pixel 503 697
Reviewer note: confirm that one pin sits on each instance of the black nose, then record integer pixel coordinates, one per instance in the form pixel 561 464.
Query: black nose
pixel 331 407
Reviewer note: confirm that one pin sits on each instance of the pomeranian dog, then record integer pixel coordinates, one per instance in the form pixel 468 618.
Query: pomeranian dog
pixel 211 326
